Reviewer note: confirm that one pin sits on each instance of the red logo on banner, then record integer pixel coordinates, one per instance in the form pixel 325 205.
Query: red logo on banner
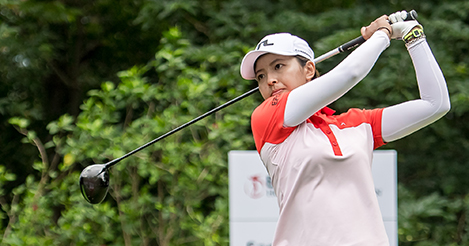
pixel 255 186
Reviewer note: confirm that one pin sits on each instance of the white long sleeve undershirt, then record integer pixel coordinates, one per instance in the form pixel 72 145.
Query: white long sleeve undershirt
pixel 399 120
pixel 405 118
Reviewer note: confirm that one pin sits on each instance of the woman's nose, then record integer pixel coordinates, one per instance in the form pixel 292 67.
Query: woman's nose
pixel 272 81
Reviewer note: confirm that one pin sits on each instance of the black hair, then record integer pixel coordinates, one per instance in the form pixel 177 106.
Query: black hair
pixel 303 60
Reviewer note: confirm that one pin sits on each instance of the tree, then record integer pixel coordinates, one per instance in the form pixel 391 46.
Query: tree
pixel 52 53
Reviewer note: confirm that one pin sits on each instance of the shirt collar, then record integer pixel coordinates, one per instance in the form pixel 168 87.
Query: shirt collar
pixel 327 111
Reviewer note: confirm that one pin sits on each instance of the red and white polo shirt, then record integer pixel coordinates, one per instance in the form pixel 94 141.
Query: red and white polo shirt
pixel 321 173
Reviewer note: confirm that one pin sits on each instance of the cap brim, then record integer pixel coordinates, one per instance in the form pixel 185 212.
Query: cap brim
pixel 247 65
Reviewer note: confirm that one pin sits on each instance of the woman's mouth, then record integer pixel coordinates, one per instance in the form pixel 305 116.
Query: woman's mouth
pixel 275 92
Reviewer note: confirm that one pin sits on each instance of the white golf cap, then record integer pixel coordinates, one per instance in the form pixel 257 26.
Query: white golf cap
pixel 278 43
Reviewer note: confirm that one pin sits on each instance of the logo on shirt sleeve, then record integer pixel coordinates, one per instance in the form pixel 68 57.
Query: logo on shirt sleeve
pixel 275 100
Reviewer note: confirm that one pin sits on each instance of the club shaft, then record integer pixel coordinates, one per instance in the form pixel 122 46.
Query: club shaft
pixel 344 47
pixel 113 162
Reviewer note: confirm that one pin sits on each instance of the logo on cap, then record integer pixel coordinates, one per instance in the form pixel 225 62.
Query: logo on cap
pixel 304 53
pixel 265 43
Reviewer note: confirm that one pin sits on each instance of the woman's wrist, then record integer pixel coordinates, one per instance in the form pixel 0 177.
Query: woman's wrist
pixel 415 34
pixel 385 29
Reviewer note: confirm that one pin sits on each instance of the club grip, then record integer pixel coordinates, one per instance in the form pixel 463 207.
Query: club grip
pixel 351 44
pixel 412 15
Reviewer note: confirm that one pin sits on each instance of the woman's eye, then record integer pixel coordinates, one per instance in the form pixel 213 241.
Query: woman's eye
pixel 278 66
pixel 260 76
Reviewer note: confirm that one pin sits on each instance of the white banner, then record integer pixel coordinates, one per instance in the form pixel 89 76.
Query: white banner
pixel 253 204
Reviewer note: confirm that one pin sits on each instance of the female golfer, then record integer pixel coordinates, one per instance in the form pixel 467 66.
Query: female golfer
pixel 320 163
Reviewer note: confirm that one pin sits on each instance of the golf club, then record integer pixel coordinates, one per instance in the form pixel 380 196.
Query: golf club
pixel 94 179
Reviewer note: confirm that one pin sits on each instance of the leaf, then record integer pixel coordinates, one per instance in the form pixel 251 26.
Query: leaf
pixel 69 159
pixel 20 122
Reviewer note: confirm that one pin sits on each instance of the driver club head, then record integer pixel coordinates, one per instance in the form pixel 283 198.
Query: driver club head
pixel 94 183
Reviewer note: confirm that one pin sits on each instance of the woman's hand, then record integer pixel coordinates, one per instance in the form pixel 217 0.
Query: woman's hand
pixel 381 23
pixel 401 27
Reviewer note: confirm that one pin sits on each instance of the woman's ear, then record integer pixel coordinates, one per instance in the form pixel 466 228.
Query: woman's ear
pixel 310 70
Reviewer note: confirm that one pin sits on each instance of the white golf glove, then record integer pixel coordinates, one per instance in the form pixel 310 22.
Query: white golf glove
pixel 400 27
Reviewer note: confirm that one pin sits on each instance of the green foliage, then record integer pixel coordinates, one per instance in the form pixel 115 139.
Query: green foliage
pixel 179 59
pixel 173 192
pixel 432 220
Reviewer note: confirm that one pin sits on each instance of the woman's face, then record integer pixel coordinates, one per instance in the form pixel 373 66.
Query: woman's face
pixel 278 74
